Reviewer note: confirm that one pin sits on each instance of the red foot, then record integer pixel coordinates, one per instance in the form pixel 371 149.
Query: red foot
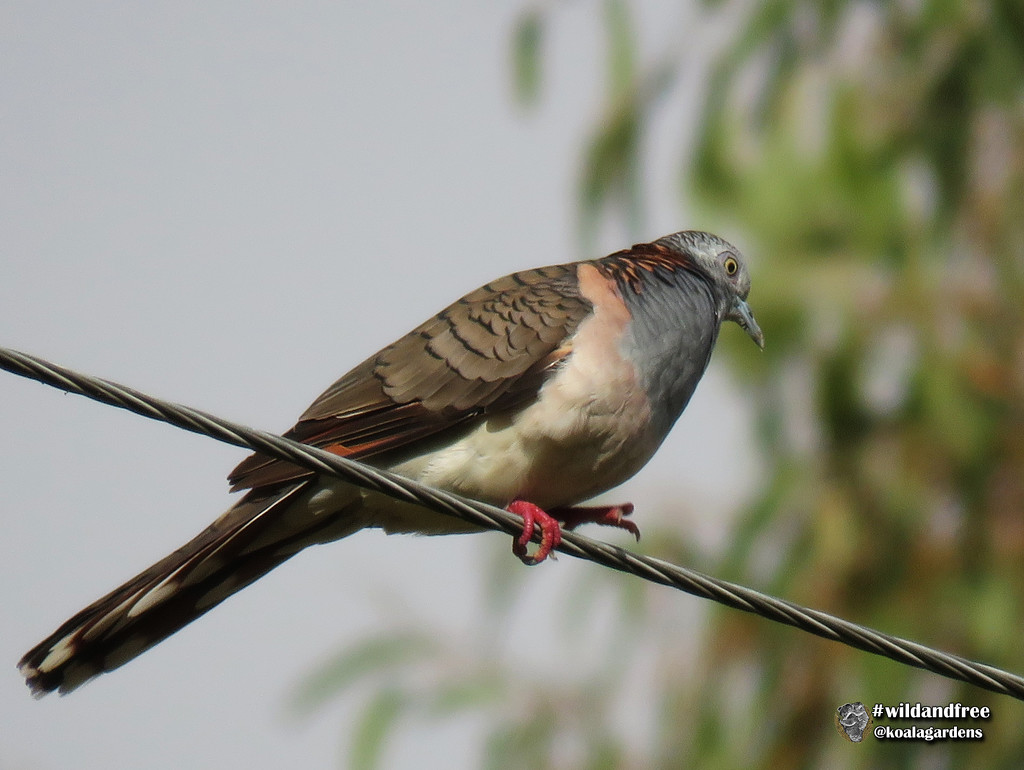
pixel 574 516
pixel 551 533
pixel 607 515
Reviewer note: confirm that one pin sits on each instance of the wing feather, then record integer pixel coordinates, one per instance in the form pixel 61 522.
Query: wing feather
pixel 489 351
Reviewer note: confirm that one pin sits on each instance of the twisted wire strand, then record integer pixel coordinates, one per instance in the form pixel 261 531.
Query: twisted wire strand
pixel 489 517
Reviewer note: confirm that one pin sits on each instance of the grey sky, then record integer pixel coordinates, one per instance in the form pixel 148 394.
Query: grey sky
pixel 228 205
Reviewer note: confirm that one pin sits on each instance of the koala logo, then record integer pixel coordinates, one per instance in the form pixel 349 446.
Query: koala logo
pixel 851 720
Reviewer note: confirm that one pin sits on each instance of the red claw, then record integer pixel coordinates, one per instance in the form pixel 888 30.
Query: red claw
pixel 606 515
pixel 551 531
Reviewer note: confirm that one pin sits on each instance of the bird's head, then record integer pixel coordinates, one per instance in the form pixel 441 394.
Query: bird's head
pixel 724 267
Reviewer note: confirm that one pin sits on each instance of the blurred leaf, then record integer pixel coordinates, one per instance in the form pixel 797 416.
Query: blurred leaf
pixel 474 692
pixel 527 42
pixel 610 168
pixel 604 753
pixel 370 734
pixel 622 78
pixel 384 653
pixel 524 744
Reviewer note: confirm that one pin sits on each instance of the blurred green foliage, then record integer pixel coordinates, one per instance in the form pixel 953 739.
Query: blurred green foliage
pixel 527 57
pixel 879 169
pixel 871 157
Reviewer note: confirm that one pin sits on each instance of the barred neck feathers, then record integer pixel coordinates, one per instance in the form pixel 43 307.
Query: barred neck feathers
pixel 676 313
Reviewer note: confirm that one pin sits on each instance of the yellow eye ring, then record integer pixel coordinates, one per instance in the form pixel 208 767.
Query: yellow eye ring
pixel 731 266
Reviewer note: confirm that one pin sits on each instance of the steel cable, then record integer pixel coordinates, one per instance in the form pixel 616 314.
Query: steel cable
pixel 489 517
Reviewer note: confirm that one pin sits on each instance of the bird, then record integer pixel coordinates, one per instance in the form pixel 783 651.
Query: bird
pixel 535 392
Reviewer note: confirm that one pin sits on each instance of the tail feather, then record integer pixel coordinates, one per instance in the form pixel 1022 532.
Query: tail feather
pixel 242 545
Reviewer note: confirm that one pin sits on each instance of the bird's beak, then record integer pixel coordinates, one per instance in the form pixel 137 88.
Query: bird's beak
pixel 742 315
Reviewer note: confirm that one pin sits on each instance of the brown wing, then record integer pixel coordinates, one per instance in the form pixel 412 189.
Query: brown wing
pixel 489 351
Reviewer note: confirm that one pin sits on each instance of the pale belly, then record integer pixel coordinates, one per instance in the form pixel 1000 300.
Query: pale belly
pixel 548 464
pixel 575 442
pixel 572 444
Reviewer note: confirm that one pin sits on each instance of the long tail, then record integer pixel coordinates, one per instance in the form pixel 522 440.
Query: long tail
pixel 245 543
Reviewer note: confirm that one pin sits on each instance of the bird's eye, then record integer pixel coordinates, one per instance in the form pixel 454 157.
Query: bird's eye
pixel 731 266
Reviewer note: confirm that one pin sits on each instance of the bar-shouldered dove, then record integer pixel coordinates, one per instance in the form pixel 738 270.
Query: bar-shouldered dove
pixel 535 392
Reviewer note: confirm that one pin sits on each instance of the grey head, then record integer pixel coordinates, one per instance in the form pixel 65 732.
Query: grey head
pixel 678 290
pixel 723 266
